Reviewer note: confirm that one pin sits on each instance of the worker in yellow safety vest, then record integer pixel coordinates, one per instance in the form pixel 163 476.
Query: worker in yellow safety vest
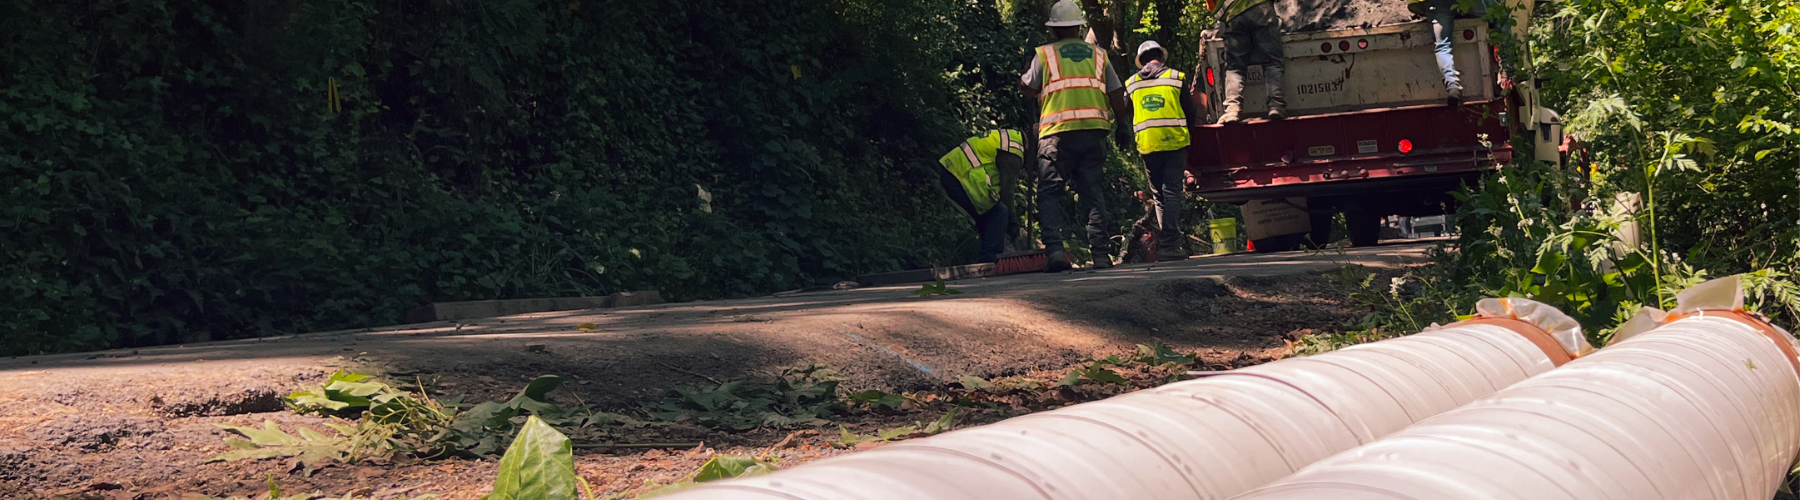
pixel 1252 32
pixel 1161 111
pixel 978 176
pixel 1077 92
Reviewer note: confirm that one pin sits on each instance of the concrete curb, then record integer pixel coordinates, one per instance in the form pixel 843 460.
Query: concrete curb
pixel 448 311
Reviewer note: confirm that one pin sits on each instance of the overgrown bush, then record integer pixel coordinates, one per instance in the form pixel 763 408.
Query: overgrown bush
pixel 1686 140
pixel 180 170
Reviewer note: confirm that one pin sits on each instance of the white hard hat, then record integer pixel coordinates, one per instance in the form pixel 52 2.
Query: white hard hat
pixel 1065 13
pixel 1147 46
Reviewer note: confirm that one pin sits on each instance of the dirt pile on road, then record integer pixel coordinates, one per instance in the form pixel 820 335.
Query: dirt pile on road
pixel 1316 15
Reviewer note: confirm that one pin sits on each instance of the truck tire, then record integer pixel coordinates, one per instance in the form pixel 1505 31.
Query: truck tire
pixel 1364 228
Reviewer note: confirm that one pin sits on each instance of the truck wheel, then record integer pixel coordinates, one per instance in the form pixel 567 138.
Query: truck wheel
pixel 1364 228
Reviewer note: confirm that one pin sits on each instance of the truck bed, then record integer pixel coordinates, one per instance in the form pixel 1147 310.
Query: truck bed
pixel 1357 68
pixel 1321 15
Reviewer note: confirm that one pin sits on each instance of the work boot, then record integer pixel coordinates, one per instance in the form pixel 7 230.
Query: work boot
pixel 1234 96
pixel 1455 94
pixel 1055 261
pixel 1273 82
pixel 1171 254
pixel 1230 115
pixel 1277 112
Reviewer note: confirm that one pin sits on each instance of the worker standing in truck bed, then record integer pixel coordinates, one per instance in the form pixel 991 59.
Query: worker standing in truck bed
pixel 1252 33
pixel 1442 14
pixel 978 176
pixel 1161 112
pixel 1076 91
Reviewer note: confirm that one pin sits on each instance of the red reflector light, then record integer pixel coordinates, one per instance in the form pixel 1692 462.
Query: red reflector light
pixel 1210 80
pixel 1325 47
pixel 1344 45
pixel 1406 145
pixel 1468 34
pixel 1362 44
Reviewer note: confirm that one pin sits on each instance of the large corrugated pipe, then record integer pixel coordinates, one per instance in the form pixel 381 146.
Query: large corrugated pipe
pixel 1700 403
pixel 1210 438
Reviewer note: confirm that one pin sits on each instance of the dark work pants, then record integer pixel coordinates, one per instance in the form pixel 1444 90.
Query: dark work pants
pixel 1078 156
pixel 1167 175
pixel 1252 38
pixel 990 225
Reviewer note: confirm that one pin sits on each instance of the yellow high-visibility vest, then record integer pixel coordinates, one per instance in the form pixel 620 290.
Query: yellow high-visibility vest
pixel 1158 120
pixel 973 164
pixel 1073 96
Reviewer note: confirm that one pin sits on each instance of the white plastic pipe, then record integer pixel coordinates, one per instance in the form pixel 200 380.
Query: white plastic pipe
pixel 1210 438
pixel 1706 405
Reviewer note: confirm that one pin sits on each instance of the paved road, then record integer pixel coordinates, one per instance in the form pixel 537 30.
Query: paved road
pixel 879 337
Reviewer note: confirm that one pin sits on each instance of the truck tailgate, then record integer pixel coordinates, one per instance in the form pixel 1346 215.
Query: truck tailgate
pixel 1308 155
pixel 1360 68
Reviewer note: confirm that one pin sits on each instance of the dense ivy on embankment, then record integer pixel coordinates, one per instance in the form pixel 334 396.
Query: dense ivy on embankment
pixel 176 170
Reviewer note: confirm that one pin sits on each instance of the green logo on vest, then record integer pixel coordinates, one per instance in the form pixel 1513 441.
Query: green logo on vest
pixel 1077 52
pixel 1153 102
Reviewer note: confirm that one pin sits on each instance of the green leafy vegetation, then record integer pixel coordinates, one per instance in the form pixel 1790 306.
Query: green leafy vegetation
pixel 1157 353
pixel 177 170
pixel 1683 170
pixel 343 391
pixel 1093 372
pixel 716 468
pixel 934 289
pixel 801 396
pixel 311 450
pixel 877 399
pixel 917 430
pixel 974 383
pixel 395 424
pixel 539 464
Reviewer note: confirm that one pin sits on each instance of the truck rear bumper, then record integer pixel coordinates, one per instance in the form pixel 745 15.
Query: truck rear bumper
pixel 1430 147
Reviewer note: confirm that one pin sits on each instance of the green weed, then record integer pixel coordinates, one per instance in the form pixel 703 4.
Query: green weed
pixel 974 383
pixel 943 423
pixel 801 396
pixel 878 399
pixel 935 289
pixel 311 449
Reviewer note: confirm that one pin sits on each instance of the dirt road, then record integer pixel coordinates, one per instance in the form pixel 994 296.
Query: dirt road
pixel 70 420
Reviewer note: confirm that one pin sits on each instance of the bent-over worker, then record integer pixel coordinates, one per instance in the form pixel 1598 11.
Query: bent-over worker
pixel 1077 91
pixel 978 176
pixel 1161 112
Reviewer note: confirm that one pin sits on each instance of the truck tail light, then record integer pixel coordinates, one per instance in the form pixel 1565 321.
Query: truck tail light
pixel 1468 34
pixel 1210 80
pixel 1362 43
pixel 1406 146
pixel 1343 45
pixel 1325 47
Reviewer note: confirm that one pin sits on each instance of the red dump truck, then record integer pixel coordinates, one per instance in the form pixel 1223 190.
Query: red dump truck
pixel 1371 133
